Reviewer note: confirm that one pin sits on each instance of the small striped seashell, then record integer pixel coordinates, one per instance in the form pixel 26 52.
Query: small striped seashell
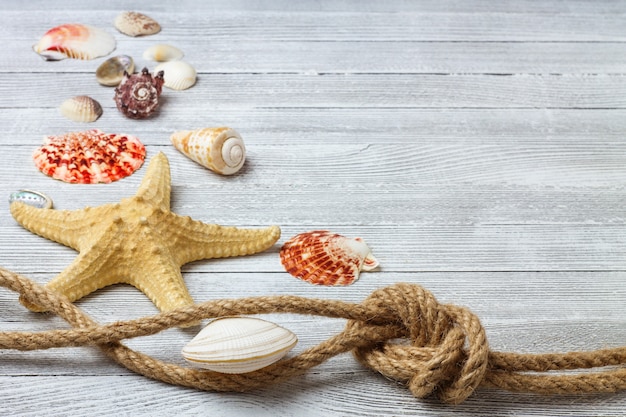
pixel 162 53
pixel 178 75
pixel 32 198
pixel 89 157
pixel 236 345
pixel 74 41
pixel 81 109
pixel 136 24
pixel 111 71
pixel 324 258
pixel 221 149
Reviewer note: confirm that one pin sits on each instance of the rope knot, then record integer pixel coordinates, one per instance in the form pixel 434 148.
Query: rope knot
pixel 443 347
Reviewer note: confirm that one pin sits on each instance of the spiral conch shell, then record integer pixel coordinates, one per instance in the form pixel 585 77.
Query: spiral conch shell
pixel 220 149
pixel 236 345
pixel 137 96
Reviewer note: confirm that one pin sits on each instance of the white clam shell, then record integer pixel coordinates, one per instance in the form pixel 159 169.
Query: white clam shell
pixel 235 345
pixel 81 109
pixel 178 75
pixel 162 53
pixel 221 149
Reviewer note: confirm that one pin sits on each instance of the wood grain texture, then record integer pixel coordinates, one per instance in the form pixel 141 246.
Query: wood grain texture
pixel 478 148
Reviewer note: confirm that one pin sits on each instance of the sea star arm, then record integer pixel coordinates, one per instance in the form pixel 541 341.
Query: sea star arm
pixel 92 269
pixel 193 240
pixel 62 226
pixel 155 188
pixel 160 279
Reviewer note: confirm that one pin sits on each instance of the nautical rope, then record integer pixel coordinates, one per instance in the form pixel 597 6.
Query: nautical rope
pixel 445 350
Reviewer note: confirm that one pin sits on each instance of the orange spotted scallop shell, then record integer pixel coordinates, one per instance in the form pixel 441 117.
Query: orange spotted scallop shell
pixel 89 157
pixel 324 258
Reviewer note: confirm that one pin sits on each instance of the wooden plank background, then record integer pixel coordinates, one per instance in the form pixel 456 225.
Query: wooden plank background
pixel 478 147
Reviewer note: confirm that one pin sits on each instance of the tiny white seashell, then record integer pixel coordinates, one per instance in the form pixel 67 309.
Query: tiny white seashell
pixel 81 109
pixel 235 345
pixel 221 149
pixel 136 24
pixel 32 198
pixel 178 75
pixel 162 53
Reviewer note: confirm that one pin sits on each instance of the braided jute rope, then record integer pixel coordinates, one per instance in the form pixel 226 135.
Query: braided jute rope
pixel 444 350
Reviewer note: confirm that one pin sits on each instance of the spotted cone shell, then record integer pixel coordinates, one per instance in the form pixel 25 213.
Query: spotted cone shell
pixel 324 258
pixel 220 149
pixel 137 96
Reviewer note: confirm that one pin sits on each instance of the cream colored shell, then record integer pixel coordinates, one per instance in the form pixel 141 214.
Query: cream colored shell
pixel 162 53
pixel 221 149
pixel 136 24
pixel 178 75
pixel 235 345
pixel 81 109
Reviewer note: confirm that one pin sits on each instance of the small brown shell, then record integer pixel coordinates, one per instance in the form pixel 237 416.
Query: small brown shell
pixel 137 96
pixel 324 258
pixel 136 24
pixel 81 109
pixel 111 72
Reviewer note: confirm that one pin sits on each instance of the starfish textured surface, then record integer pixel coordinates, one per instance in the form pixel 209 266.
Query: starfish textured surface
pixel 137 241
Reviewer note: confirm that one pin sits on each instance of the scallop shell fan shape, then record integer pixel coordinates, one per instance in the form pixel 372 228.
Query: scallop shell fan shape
pixel 324 258
pixel 89 157
pixel 74 41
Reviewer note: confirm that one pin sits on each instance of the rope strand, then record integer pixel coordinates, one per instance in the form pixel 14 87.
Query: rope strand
pixel 447 353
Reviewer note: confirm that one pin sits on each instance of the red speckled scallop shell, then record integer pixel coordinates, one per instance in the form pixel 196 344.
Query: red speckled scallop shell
pixel 324 258
pixel 89 157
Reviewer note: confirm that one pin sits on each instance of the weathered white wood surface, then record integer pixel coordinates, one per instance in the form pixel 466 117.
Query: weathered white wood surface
pixel 478 147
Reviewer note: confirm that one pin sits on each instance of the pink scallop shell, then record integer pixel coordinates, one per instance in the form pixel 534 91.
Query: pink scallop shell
pixel 89 157
pixel 324 258
pixel 74 41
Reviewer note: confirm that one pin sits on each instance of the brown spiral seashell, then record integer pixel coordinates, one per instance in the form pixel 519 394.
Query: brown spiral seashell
pixel 137 96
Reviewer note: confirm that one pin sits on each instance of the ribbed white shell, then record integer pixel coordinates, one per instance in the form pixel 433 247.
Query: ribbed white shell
pixel 81 109
pixel 235 345
pixel 178 75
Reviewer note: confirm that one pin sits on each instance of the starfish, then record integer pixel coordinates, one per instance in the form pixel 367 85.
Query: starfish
pixel 138 241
